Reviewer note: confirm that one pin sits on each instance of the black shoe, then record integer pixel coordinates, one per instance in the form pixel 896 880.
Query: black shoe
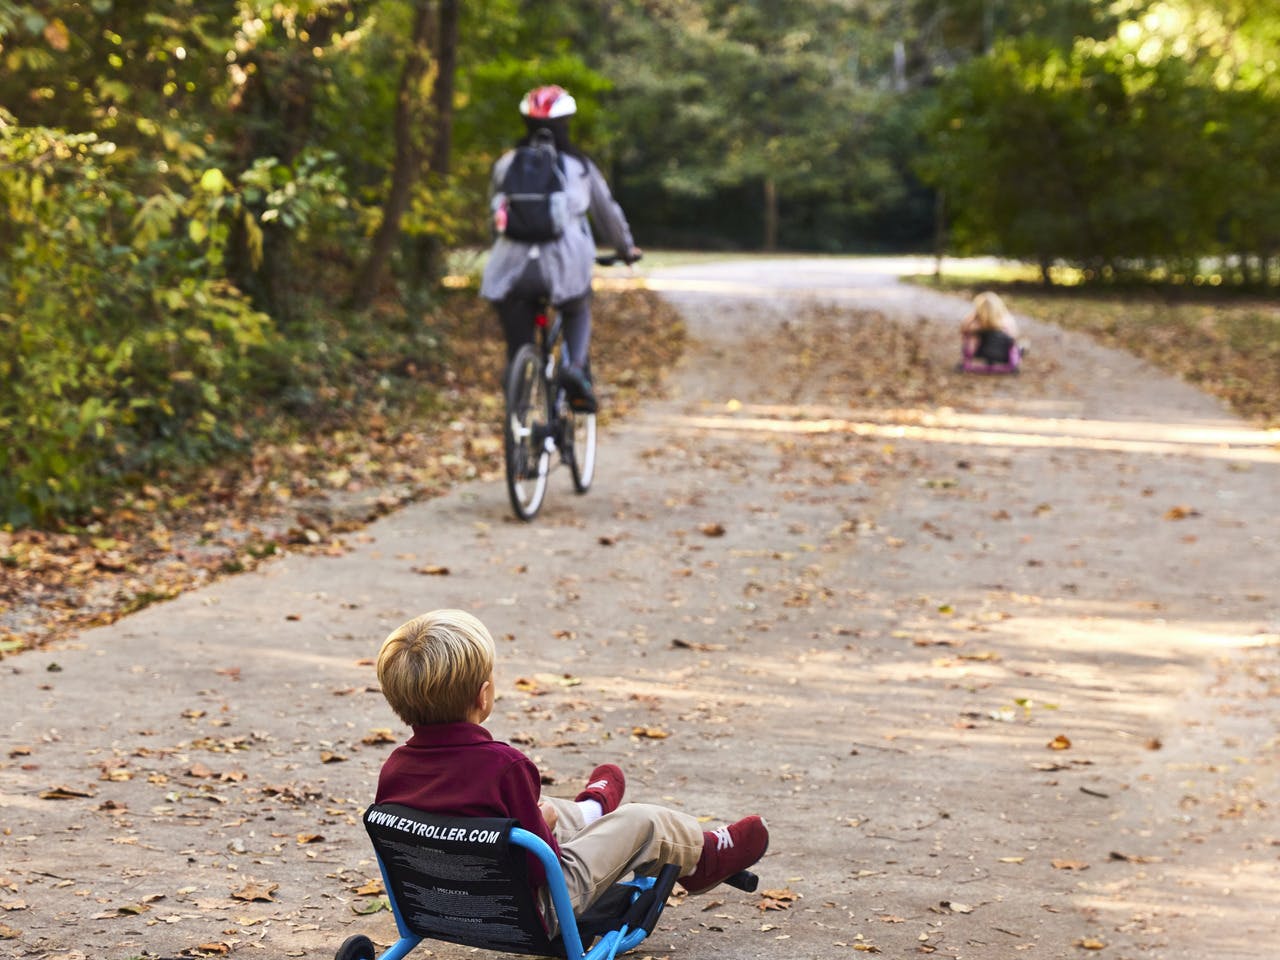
pixel 582 398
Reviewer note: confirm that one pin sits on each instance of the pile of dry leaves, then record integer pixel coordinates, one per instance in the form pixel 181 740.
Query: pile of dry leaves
pixel 309 488
pixel 1229 347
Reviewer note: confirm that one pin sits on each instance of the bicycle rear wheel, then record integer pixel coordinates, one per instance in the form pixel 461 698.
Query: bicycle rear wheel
pixel 525 433
pixel 582 449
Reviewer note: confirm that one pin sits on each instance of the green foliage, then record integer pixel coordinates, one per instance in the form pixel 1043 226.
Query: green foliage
pixel 1112 156
pixel 119 350
pixel 180 177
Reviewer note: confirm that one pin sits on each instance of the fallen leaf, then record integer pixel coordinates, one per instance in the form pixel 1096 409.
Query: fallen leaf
pixel 253 891
pixel 651 733
pixel 956 907
pixel 328 756
pixel 9 933
pixel 1070 865
pixel 371 906
pixel 786 893
pixel 378 735
pixel 697 645
pixel 1131 858
pixel 712 530
pixel 304 838
pixel 432 570
pixel 1181 512
pixel 370 888
pixel 64 793
pixel 1091 943
pixel 1059 742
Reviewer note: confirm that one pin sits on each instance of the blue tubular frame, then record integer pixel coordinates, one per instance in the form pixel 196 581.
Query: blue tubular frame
pixel 613 942
pixel 408 939
pixel 609 945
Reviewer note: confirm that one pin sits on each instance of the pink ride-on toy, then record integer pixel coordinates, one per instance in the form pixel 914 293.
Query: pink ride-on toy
pixel 995 352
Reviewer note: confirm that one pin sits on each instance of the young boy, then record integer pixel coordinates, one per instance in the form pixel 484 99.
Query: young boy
pixel 436 672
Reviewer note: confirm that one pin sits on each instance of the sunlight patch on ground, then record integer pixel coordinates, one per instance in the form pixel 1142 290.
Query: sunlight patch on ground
pixel 1195 433
pixel 796 290
pixel 1234 444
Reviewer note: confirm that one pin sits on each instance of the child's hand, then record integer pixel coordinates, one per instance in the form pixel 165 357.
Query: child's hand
pixel 549 815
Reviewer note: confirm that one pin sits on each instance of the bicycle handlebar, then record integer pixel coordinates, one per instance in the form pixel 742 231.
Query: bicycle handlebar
pixel 609 259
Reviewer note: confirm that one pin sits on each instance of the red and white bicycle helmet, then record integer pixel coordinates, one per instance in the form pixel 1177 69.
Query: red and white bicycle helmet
pixel 547 103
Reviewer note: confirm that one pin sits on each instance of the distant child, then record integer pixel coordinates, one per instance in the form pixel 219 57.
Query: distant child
pixel 989 337
pixel 436 672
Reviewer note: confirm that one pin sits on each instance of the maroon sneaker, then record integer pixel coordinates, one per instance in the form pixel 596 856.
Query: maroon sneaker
pixel 727 851
pixel 605 787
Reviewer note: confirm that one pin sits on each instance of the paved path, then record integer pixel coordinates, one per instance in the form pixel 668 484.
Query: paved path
pixel 867 607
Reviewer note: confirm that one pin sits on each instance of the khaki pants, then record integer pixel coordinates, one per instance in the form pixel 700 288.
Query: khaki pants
pixel 637 837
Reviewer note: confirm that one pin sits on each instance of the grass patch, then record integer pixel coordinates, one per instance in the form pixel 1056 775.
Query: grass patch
pixel 1225 342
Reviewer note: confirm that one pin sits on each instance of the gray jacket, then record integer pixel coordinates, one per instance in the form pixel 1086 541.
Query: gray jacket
pixel 565 262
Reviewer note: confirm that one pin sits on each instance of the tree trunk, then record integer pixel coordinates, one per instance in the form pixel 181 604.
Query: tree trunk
pixel 408 158
pixel 276 108
pixel 770 215
pixel 430 248
pixel 939 231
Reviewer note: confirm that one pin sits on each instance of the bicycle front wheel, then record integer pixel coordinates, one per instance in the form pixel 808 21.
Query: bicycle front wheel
pixel 526 433
pixel 582 449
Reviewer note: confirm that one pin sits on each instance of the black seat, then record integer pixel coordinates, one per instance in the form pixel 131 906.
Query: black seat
pixel 466 880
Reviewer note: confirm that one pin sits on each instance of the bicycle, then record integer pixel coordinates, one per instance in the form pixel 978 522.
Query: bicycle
pixel 539 420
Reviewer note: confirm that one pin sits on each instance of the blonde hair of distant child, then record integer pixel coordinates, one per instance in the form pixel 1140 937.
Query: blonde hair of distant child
pixel 432 668
pixel 989 313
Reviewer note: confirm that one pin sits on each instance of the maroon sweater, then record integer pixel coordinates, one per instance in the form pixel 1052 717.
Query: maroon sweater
pixel 459 770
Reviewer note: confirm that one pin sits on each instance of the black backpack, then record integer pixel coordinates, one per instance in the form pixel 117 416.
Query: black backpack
pixel 531 205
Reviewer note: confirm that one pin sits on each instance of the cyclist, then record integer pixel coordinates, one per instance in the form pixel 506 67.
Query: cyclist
pixel 518 275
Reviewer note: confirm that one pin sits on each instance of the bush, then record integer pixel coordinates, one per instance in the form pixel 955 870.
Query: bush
pixel 119 347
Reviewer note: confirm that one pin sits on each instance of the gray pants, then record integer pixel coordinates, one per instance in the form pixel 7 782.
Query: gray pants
pixel 637 837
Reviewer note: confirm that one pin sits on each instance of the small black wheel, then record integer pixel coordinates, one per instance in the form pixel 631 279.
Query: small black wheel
pixel 358 947
pixel 525 433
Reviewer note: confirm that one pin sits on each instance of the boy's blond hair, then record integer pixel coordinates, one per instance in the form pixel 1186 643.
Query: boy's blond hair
pixel 432 667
